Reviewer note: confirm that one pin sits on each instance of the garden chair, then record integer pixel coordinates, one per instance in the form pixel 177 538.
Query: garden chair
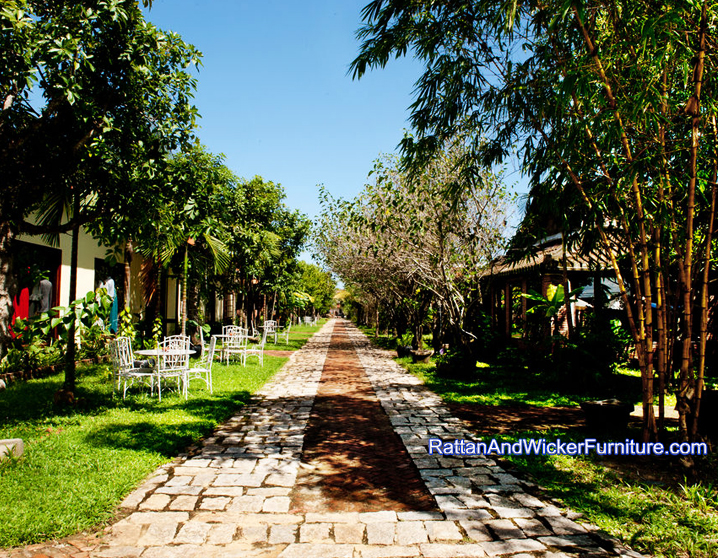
pixel 256 350
pixel 203 370
pixel 284 331
pixel 173 362
pixel 124 366
pixel 270 328
pixel 234 341
pixel 202 342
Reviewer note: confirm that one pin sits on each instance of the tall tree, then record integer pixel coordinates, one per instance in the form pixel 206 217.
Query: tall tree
pixel 91 96
pixel 614 100
pixel 409 236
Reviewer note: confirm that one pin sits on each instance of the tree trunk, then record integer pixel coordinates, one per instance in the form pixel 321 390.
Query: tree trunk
pixel 129 251
pixel 703 327
pixel 70 371
pixel 7 286
pixel 183 305
pixel 687 384
pixel 566 297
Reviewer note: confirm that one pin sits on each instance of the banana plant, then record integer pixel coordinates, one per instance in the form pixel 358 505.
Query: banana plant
pixel 551 304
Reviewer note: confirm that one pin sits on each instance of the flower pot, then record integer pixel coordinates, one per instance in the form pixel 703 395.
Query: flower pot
pixel 403 351
pixel 422 356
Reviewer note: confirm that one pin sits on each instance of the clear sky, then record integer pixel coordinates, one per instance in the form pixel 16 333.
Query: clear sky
pixel 275 96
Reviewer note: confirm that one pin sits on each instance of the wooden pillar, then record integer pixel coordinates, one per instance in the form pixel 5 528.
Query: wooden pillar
pixel 507 308
pixel 524 300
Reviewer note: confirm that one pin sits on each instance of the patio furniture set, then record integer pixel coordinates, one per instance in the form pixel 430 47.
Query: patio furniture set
pixel 170 360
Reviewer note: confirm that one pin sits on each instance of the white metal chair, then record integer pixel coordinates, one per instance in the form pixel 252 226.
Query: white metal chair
pixel 256 350
pixel 270 328
pixel 202 342
pixel 284 331
pixel 203 370
pixel 123 365
pixel 234 341
pixel 173 362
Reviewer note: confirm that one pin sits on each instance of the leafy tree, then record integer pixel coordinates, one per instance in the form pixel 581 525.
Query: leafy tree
pixel 91 96
pixel 613 100
pixel 265 239
pixel 318 284
pixel 405 243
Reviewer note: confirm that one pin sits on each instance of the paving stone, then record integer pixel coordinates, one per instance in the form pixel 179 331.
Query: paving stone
pixel 221 533
pixel 442 531
pixel 447 502
pixel 276 504
pixel 179 480
pixel 151 517
pixel 420 516
pixel 282 534
pixel 346 517
pixel 505 529
pixel 180 551
pixel 246 504
pixel 476 530
pixel 452 551
pixel 469 515
pixel 156 502
pixel 352 533
pixel 133 499
pixel 214 503
pixel 176 490
pixel 512 546
pixel 410 532
pixel 184 503
pixel 567 540
pixel 508 513
pixel 232 491
pixel 527 500
pixel 248 467
pixel 370 551
pixel 128 533
pixel 532 527
pixel 318 551
pixel 203 479
pixel 315 533
pixel 377 517
pixel 380 533
pixel 193 533
pixel 120 552
pixel 253 533
pixel 158 534
pixel 564 526
pixel 243 479
pixel 549 511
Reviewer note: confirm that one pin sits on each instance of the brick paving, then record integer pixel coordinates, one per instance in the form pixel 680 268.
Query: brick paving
pixel 232 499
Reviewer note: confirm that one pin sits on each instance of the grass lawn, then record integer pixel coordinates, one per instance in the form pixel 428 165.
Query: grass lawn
pixel 644 501
pixel 81 461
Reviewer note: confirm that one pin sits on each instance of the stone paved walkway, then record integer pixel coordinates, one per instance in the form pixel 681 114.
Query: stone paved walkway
pixel 232 499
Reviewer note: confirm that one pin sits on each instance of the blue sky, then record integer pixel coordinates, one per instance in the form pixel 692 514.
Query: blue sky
pixel 275 96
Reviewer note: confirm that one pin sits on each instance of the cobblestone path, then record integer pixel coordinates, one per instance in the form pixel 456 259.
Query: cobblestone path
pixel 238 496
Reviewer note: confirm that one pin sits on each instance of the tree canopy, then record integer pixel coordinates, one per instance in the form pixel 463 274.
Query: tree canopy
pixel 615 101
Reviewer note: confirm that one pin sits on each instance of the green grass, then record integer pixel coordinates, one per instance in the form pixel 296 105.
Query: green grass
pixel 651 517
pixel 80 461
pixel 500 385
pixel 663 518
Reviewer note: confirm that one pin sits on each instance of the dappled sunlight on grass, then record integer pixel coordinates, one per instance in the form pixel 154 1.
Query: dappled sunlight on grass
pixel 81 460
